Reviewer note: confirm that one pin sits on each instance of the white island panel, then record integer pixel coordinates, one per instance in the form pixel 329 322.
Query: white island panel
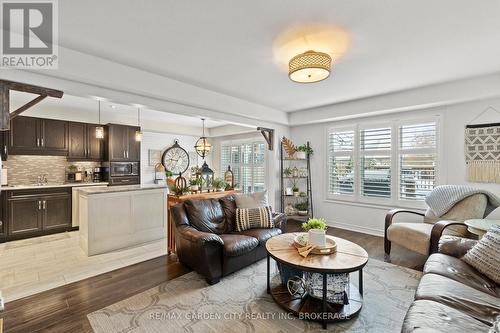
pixel 116 219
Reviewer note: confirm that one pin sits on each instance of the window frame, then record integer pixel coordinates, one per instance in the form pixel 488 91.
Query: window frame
pixel 395 152
pixel 240 143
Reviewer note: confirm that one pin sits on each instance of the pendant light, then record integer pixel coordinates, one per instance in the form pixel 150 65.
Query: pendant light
pixel 99 130
pixel 138 133
pixel 202 146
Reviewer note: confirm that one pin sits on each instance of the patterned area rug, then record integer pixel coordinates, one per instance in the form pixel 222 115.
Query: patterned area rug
pixel 239 303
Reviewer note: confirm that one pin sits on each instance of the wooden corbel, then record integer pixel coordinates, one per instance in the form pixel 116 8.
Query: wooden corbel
pixel 7 86
pixel 268 134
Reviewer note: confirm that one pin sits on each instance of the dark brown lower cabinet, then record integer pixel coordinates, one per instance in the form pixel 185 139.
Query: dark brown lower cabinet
pixel 33 213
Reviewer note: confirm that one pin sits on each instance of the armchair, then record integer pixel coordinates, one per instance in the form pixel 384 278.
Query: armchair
pixel 423 237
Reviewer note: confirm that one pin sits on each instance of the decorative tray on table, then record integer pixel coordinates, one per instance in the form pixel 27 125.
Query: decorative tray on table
pixel 302 240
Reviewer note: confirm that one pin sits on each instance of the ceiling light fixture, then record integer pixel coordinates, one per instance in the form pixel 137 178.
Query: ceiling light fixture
pixel 310 66
pixel 202 146
pixel 138 132
pixel 99 130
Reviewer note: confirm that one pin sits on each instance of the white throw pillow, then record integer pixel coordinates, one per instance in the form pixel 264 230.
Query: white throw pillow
pixel 485 255
pixel 252 200
pixel 494 215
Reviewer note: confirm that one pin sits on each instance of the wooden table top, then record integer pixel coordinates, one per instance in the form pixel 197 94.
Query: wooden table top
pixel 349 257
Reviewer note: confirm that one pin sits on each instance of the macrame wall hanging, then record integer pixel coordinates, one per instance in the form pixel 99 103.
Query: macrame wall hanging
pixel 482 151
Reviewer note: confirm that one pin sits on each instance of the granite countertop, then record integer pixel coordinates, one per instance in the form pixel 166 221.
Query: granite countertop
pixel 49 185
pixel 121 188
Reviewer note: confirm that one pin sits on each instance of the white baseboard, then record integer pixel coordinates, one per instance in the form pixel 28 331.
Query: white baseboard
pixel 364 230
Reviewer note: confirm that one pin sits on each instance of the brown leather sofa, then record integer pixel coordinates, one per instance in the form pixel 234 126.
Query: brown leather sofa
pixel 452 296
pixel 207 240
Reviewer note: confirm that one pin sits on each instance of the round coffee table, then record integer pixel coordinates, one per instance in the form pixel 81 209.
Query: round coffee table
pixel 349 258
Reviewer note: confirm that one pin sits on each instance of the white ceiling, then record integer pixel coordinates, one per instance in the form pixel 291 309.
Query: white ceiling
pixel 90 106
pixel 234 47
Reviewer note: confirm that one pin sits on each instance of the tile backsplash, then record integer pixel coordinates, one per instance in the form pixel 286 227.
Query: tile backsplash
pixel 24 169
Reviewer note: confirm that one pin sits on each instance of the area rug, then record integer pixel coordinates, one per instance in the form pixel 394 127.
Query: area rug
pixel 239 303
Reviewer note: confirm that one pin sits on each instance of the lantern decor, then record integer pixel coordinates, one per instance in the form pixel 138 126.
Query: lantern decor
pixel 181 182
pixel 229 177
pixel 207 176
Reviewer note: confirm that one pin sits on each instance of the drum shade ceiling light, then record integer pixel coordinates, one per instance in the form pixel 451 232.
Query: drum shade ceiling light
pixel 202 146
pixel 310 66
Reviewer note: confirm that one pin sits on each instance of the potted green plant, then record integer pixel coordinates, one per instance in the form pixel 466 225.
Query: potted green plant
pixel 316 230
pixel 178 190
pixel 295 190
pixel 287 172
pixel 195 183
pixel 302 151
pixel 302 194
pixel 219 184
pixel 302 208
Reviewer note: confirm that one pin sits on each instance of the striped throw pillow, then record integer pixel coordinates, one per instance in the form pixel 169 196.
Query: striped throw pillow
pixel 485 255
pixel 251 218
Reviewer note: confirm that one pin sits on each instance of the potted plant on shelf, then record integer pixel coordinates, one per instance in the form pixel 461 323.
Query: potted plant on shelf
pixel 219 184
pixel 316 231
pixel 178 190
pixel 302 194
pixel 302 208
pixel 194 184
pixel 287 172
pixel 295 190
pixel 302 151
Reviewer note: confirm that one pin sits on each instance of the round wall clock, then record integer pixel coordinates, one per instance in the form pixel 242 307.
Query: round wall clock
pixel 175 159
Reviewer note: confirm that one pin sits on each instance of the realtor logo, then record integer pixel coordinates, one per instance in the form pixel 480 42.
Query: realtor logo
pixel 29 34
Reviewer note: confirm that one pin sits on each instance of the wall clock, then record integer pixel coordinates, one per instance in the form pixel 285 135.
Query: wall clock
pixel 175 159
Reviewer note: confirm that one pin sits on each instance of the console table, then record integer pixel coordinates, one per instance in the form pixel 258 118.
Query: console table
pixel 176 199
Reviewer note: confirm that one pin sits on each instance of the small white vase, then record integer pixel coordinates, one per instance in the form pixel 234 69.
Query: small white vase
pixel 288 191
pixel 317 237
pixel 300 155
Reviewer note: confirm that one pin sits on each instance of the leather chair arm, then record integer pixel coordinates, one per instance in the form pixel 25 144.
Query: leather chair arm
pixel 437 232
pixel 390 216
pixel 455 246
pixel 193 235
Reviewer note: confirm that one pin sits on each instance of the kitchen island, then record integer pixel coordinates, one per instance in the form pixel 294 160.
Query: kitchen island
pixel 118 217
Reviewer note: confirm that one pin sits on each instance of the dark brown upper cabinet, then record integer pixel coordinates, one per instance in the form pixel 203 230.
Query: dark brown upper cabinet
pixel 36 136
pixel 122 145
pixel 83 145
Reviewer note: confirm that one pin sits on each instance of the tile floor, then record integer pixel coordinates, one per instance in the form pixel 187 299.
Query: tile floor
pixel 34 265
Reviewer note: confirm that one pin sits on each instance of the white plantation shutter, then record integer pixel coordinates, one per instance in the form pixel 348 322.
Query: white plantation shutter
pixel 417 160
pixel 375 166
pixel 341 162
pixel 247 162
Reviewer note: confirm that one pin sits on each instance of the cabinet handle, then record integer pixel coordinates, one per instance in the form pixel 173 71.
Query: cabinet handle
pixel 127 153
pixel 42 142
pixel 37 142
pixel 5 149
pixel 44 204
pixel 39 205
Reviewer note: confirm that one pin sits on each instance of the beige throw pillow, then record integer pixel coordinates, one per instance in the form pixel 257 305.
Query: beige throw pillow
pixel 252 200
pixel 252 218
pixel 485 255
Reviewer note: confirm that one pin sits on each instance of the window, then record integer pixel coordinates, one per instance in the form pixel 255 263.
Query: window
pixel 417 160
pixel 393 162
pixel 247 160
pixel 341 164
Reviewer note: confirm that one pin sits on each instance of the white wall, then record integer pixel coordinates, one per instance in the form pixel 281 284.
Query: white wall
pixel 370 219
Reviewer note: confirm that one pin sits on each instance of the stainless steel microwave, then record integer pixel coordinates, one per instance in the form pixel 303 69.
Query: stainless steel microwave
pixel 123 169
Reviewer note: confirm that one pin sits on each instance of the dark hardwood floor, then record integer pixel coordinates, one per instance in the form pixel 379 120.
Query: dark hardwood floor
pixel 65 309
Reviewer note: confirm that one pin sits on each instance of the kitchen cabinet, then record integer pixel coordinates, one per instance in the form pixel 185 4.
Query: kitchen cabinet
pixel 36 136
pixel 122 145
pixel 83 145
pixel 33 213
